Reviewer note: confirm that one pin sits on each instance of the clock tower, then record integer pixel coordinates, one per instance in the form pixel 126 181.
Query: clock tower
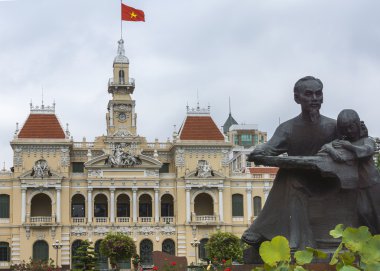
pixel 121 116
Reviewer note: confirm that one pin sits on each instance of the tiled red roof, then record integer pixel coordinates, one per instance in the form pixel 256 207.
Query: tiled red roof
pixel 263 170
pixel 200 128
pixel 42 126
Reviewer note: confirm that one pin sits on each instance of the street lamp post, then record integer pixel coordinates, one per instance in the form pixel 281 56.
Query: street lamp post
pixel 57 246
pixel 195 243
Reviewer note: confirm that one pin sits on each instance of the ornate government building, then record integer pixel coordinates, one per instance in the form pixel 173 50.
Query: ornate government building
pixel 167 196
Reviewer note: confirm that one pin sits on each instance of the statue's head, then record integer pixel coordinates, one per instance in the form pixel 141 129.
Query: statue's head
pixel 349 125
pixel 308 93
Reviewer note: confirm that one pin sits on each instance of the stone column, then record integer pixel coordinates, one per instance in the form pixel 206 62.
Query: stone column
pixel 89 205
pixel 188 209
pixel 112 202
pixel 134 205
pixel 58 205
pixel 23 205
pixel 221 209
pixel 249 204
pixel 156 204
pixel 111 115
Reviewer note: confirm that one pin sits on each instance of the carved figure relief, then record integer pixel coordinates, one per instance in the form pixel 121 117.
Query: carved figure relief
pixel 41 169
pixel 204 170
pixel 122 158
pixel 180 158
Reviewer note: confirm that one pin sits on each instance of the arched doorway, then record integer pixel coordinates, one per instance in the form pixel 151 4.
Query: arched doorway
pixel 146 252
pixel 102 263
pixel 202 252
pixel 74 247
pixel 168 246
pixel 40 251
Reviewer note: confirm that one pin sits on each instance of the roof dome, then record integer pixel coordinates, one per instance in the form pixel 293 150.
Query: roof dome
pixel 121 58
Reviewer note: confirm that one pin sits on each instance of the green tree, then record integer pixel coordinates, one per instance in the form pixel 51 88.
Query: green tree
pixel 85 258
pixel 225 246
pixel 118 247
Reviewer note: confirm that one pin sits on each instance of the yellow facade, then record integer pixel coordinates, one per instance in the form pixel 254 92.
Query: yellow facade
pixel 159 199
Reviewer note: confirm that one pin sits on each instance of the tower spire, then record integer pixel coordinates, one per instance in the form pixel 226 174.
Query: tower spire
pixel 229 104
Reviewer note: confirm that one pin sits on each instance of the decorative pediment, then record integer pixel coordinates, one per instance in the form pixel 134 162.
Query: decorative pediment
pixel 143 161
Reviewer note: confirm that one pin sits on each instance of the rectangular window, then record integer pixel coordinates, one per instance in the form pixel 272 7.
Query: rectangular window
pixel 246 139
pixel 78 167
pixel 237 205
pixel 165 168
pixel 236 140
pixel 4 206
pixel 4 252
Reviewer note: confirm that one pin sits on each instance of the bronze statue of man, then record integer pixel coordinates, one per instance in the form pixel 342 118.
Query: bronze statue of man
pixel 286 208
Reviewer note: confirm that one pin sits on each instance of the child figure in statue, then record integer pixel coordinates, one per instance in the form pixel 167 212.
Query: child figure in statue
pixel 353 137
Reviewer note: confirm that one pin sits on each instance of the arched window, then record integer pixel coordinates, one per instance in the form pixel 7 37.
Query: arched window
pixel 102 263
pixel 202 252
pixel 146 252
pixel 256 205
pixel 100 206
pixel 145 206
pixel 167 206
pixel 40 251
pixel 74 247
pixel 203 204
pixel 4 252
pixel 121 77
pixel 123 206
pixel 4 206
pixel 237 205
pixel 40 205
pixel 168 246
pixel 78 206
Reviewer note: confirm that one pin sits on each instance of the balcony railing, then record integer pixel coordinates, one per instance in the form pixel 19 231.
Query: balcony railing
pixel 145 219
pixel 101 219
pixel 167 219
pixel 205 218
pixel 83 144
pixel 130 82
pixel 41 219
pixel 78 220
pixel 123 219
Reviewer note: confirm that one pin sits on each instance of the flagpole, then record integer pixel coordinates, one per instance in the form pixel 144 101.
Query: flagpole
pixel 121 20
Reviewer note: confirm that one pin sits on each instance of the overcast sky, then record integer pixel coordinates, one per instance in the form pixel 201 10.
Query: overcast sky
pixel 250 50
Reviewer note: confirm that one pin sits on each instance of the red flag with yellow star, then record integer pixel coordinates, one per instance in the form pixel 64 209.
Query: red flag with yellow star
pixel 131 14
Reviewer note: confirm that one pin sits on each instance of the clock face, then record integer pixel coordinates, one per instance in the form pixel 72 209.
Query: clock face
pixel 122 116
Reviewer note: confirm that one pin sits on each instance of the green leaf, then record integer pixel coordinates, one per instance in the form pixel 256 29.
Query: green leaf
pixel 299 268
pixel 317 253
pixel 349 268
pixel 303 257
pixel 275 251
pixel 373 267
pixel 347 257
pixel 370 253
pixel 334 258
pixel 338 231
pixel 354 239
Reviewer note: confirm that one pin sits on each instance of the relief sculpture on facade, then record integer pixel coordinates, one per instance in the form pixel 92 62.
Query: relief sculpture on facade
pixel 122 158
pixel 41 169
